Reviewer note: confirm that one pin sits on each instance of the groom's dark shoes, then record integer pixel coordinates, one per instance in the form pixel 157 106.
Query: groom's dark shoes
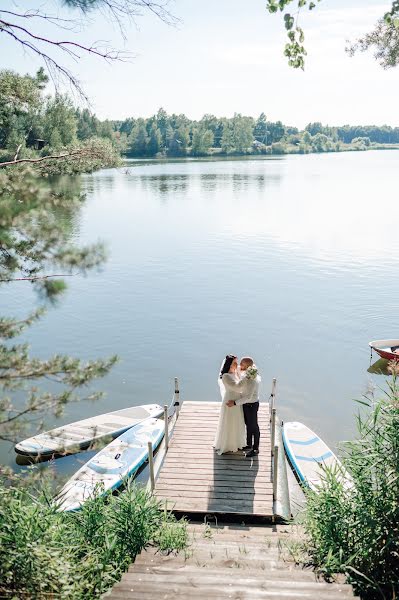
pixel 246 448
pixel 252 453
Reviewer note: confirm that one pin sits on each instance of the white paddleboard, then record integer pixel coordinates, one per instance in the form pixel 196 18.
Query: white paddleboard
pixel 81 434
pixel 307 453
pixel 108 468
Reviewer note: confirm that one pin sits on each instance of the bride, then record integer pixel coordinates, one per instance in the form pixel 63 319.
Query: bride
pixel 230 434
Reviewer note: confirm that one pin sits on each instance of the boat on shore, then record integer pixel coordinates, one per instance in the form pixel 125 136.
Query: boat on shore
pixel 388 349
pixel 80 435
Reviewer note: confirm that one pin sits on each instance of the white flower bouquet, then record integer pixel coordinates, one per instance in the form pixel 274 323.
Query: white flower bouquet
pixel 251 372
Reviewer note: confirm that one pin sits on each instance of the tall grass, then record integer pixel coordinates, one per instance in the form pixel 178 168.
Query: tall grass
pixel 355 529
pixel 45 553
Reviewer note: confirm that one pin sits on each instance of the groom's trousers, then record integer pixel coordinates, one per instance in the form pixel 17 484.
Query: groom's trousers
pixel 251 421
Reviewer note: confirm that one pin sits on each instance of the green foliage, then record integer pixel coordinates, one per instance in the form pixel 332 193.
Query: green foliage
pixel 28 118
pixel 202 141
pixel 77 555
pixel 383 39
pixel 20 105
pixel 59 122
pixel 355 529
pixel 238 134
pixel 35 237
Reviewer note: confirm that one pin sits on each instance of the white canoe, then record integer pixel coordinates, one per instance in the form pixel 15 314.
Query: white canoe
pixel 109 467
pixel 307 453
pixel 82 434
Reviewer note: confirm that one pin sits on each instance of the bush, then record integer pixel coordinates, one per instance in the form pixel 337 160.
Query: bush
pixel 355 529
pixel 77 555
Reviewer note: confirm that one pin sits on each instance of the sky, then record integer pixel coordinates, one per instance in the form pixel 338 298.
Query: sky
pixel 226 56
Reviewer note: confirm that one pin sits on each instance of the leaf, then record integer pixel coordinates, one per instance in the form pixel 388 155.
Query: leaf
pixel 312 5
pixel 289 21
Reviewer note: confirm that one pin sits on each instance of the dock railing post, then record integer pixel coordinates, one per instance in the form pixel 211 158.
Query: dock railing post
pixel 177 397
pixel 151 465
pixel 273 429
pixel 275 472
pixel 165 416
pixel 272 396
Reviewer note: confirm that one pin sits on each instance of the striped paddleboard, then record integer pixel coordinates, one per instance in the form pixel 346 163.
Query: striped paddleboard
pixel 307 452
pixel 109 467
pixel 82 434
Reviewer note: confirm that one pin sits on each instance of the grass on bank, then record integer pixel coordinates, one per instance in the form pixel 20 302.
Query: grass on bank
pixel 77 555
pixel 355 530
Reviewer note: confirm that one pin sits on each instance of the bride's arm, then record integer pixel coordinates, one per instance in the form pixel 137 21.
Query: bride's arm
pixel 231 384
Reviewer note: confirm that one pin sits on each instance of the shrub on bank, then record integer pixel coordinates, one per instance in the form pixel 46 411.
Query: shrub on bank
pixel 355 529
pixel 77 555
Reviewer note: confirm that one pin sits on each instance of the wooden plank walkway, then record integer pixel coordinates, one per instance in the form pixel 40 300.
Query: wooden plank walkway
pixel 195 480
pixel 227 561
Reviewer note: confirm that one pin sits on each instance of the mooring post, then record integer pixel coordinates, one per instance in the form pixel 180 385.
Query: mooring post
pixel 275 472
pixel 165 416
pixel 151 465
pixel 273 429
pixel 272 396
pixel 177 397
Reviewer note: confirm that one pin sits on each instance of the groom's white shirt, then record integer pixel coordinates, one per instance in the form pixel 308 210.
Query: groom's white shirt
pixel 249 390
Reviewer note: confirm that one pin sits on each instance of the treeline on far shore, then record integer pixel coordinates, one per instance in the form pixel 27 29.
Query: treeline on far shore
pixel 33 124
pixel 163 135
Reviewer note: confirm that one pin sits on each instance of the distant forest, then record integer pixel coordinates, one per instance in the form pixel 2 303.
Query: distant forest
pixel 174 135
pixel 34 124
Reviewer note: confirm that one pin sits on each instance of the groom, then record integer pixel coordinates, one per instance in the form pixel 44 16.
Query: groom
pixel 250 404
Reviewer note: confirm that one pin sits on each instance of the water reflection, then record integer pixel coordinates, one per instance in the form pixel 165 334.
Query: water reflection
pixel 291 260
pixel 380 367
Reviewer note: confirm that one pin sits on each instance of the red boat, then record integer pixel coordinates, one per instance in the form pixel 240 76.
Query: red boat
pixel 388 349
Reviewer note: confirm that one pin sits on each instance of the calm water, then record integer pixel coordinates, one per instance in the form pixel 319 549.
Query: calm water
pixel 292 260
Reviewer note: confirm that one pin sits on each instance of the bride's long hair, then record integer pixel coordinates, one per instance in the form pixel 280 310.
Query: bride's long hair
pixel 225 368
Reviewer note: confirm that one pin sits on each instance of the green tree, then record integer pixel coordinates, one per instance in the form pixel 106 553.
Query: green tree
pixel 87 124
pixel 276 131
pixel 260 130
pixel 60 117
pixel 202 141
pixel 155 140
pixel 238 134
pixel 162 121
pixel 20 105
pixel 138 139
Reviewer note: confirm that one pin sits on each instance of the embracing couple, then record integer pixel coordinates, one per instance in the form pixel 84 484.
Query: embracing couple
pixel 238 427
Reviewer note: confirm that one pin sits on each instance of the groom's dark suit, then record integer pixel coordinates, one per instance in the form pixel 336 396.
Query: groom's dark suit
pixel 250 405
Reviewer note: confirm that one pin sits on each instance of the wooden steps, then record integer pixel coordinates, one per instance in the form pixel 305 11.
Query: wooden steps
pixel 228 561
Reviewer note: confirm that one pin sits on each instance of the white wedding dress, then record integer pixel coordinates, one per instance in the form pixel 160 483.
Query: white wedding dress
pixel 231 433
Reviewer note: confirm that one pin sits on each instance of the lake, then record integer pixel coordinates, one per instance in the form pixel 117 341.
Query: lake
pixel 292 260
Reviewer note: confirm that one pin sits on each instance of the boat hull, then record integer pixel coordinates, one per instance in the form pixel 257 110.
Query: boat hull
pixel 80 435
pixel 384 348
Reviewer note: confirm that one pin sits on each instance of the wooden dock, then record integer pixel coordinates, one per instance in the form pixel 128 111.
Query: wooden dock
pixel 195 480
pixel 238 559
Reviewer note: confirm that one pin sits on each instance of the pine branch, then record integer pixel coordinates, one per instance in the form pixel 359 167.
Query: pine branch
pixel 80 152
pixel 39 277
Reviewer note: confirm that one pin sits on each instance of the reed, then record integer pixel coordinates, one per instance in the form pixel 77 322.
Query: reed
pixel 353 527
pixel 45 553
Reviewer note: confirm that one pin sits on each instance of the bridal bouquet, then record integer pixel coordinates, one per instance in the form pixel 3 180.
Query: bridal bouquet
pixel 251 372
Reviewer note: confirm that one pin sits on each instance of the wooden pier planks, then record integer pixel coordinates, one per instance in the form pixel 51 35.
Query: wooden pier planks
pixel 195 479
